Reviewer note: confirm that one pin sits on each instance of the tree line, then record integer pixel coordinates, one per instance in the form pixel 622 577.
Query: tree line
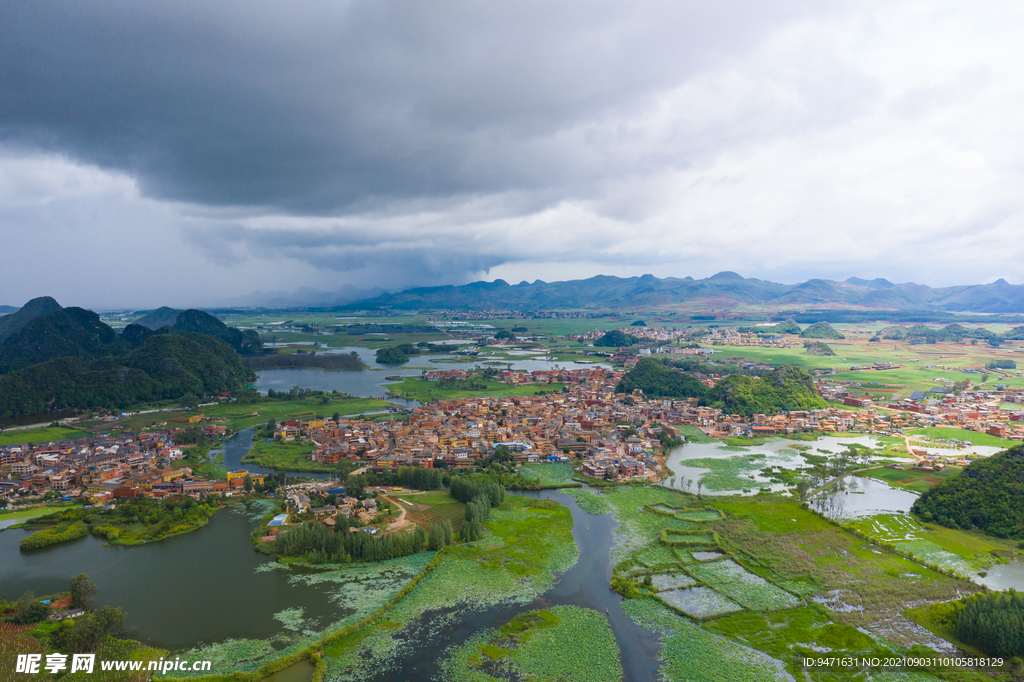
pixel 993 623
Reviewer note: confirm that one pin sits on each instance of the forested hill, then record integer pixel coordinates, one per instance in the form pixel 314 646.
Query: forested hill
pixel 784 388
pixel 165 366
pixel 657 380
pixel 43 330
pixel 988 494
pixel 65 332
pixel 37 307
pixel 199 322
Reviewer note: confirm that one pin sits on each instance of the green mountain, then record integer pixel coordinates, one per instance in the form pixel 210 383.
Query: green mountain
pixel 63 333
pixel 16 321
pixel 161 317
pixel 784 388
pixel 615 339
pixel 821 330
pixel 165 366
pixel 988 494
pixel 199 322
pixel 656 379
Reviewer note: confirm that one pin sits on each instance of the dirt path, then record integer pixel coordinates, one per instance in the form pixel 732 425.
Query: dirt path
pixel 401 522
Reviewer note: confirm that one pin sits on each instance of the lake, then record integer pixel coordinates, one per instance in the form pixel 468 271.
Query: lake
pixel 371 383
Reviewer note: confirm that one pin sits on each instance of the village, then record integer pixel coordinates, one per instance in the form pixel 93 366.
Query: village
pixel 603 434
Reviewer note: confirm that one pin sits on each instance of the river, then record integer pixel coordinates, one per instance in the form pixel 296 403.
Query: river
pixel 586 584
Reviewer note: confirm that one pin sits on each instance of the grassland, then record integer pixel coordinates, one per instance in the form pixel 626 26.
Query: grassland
pixel 947 360
pixel 918 481
pixel 938 433
pixel 286 456
pixel 550 475
pixel 43 435
pixel 35 512
pixel 426 391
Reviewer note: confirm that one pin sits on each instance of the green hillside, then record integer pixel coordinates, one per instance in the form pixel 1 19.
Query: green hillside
pixel 821 330
pixel 784 388
pixel 988 495
pixel 62 333
pixel 656 379
pixel 165 366
pixel 13 323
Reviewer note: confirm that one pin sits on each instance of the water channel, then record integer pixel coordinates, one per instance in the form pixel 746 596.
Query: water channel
pixel 586 584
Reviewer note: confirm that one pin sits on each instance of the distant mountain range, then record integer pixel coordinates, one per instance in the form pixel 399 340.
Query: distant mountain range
pixel 721 292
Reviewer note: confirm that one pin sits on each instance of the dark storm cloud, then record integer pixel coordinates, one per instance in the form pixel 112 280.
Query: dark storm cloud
pixel 315 107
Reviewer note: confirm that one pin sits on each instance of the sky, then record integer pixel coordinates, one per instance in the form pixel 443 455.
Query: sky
pixel 188 153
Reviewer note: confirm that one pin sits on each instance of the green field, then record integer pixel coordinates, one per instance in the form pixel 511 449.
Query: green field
pixel 442 507
pixel 918 481
pixel 974 437
pixel 44 435
pixel 36 512
pixel 288 456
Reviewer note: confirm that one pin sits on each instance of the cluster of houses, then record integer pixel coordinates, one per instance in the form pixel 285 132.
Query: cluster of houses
pixel 106 467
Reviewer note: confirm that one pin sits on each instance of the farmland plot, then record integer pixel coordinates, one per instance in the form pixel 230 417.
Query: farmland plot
pixel 732 580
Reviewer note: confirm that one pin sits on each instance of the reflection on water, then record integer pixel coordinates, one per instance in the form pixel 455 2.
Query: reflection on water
pixel 864 496
pixel 746 463
pixel 1004 576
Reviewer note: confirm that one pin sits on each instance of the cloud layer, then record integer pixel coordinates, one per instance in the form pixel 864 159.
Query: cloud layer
pixel 241 146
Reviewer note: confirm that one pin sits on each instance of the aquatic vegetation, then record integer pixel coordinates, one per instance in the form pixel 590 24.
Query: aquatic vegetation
pixel 361 589
pixel 809 631
pixel 688 538
pixel 561 643
pixel 641 527
pixel 730 473
pixel 231 655
pixel 656 555
pixel 698 602
pixel 694 654
pixel 589 502
pixel 671 581
pixel 732 580
pixel 698 516
pixel 527 542
pixel 929 553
